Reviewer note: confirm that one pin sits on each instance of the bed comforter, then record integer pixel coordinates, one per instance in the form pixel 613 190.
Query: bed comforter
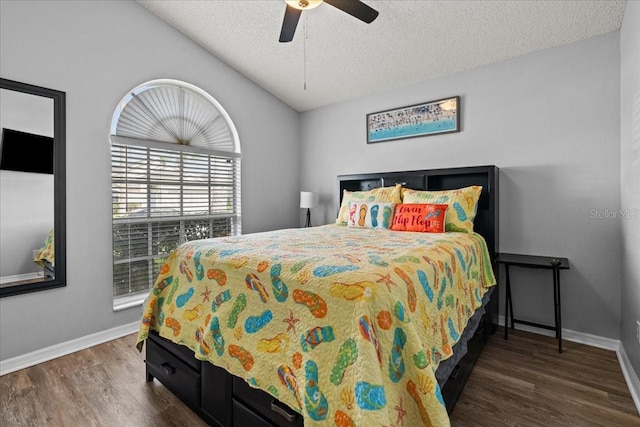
pixel 46 252
pixel 344 325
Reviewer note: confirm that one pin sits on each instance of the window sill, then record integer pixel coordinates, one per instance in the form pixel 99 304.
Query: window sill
pixel 123 303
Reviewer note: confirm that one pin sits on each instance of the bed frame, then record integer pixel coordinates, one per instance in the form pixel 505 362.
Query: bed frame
pixel 485 224
pixel 222 399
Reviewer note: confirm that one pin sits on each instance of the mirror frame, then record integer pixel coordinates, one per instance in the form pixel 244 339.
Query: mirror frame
pixel 59 186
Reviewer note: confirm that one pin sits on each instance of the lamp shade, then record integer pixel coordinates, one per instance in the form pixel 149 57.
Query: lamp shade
pixel 308 199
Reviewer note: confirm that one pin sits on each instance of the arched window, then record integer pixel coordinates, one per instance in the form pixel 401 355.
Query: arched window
pixel 175 173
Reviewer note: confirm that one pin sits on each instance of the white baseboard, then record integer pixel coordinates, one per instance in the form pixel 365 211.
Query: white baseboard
pixel 594 341
pixel 53 352
pixel 569 335
pixel 630 376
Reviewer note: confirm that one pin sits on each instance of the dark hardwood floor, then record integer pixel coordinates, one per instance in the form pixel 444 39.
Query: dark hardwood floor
pixel 524 381
pixel 519 382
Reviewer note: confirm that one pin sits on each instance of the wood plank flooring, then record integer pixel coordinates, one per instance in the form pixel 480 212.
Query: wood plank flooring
pixel 519 382
pixel 524 381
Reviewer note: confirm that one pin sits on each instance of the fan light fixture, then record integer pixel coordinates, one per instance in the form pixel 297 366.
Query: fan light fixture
pixel 294 9
pixel 303 4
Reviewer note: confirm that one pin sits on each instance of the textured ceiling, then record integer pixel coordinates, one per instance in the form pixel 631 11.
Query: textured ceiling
pixel 342 58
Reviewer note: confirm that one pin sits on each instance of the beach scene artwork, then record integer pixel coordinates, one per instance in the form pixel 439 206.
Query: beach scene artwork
pixel 430 118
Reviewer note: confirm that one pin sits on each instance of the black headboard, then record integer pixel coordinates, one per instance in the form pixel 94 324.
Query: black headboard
pixel 486 221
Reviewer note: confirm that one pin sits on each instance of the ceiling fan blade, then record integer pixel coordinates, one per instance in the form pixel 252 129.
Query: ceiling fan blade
pixel 355 8
pixel 289 24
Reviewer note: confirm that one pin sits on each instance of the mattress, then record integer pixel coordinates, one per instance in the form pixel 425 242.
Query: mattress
pixel 340 324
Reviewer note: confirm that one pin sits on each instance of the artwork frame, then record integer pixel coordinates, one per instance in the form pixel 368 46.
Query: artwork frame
pixel 388 125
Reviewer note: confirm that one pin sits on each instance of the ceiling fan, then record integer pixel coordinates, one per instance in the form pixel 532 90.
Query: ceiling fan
pixel 355 8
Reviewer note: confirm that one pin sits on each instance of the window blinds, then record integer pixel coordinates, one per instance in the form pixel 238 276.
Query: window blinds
pixel 163 197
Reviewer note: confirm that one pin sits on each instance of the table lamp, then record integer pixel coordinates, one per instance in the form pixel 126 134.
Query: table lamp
pixel 308 200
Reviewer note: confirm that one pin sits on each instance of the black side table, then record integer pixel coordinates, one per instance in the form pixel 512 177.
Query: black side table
pixel 531 261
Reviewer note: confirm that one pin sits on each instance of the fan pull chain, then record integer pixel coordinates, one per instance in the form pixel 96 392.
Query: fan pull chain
pixel 304 53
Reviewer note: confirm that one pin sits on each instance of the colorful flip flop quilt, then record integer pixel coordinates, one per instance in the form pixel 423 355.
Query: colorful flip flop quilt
pixel 46 252
pixel 346 326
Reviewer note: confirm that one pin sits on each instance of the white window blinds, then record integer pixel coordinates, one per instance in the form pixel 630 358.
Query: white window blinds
pixel 164 197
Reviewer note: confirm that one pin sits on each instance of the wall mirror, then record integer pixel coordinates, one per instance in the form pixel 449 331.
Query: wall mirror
pixel 32 188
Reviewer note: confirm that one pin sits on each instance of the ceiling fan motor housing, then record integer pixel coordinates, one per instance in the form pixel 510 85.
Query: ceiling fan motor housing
pixel 303 4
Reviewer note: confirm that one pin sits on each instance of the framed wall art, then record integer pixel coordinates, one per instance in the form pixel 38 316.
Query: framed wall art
pixel 429 118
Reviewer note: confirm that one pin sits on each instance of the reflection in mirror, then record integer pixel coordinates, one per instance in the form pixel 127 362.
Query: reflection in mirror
pixel 26 193
pixel 32 196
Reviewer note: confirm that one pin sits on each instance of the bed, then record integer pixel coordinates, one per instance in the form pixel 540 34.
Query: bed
pixel 332 324
pixel 45 257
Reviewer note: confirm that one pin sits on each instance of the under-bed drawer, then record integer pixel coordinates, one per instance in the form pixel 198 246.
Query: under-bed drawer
pixel 175 374
pixel 244 417
pixel 183 353
pixel 265 405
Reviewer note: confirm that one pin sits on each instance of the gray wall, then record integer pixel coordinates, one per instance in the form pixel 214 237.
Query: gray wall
pixel 551 122
pixel 95 52
pixel 630 178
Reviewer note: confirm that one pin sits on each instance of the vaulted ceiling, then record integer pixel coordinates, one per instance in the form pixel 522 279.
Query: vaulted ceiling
pixel 335 57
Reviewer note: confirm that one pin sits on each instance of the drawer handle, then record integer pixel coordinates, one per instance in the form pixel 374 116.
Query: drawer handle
pixel 168 369
pixel 455 372
pixel 275 407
